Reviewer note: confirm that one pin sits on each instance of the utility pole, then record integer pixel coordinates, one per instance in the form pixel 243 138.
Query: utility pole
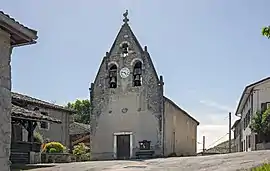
pixel 203 145
pixel 230 132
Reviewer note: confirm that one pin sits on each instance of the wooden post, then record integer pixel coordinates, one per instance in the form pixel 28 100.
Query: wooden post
pixel 203 145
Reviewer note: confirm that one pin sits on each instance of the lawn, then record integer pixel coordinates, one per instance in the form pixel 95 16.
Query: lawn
pixel 265 167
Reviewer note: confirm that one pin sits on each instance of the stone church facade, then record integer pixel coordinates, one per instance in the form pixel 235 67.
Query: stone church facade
pixel 130 116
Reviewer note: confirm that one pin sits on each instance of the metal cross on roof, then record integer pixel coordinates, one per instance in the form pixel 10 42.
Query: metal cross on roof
pixel 125 17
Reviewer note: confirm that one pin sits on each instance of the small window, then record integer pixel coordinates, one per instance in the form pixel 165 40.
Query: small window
pixel 124 47
pixel 44 125
pixel 113 76
pixel 137 74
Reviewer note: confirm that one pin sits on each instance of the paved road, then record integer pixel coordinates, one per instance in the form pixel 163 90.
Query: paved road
pixel 226 162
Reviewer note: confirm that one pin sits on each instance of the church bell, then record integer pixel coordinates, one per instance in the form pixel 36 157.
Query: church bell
pixel 137 78
pixel 113 80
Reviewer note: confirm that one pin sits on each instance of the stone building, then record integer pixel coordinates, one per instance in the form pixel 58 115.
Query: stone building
pixel 130 117
pixel 79 133
pixel 12 34
pixel 53 131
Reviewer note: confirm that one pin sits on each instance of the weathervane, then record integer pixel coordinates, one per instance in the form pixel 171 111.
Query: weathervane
pixel 125 17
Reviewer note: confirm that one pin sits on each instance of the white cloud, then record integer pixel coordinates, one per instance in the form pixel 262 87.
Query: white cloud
pixel 217 105
pixel 214 126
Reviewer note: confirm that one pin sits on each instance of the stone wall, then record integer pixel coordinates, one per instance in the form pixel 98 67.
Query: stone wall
pixel 126 108
pixel 5 100
pixel 263 146
pixel 180 131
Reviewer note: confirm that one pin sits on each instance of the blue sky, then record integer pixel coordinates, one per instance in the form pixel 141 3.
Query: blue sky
pixel 207 50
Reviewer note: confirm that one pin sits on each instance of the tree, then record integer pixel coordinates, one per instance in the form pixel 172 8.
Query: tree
pixel 82 108
pixel 260 124
pixel 266 32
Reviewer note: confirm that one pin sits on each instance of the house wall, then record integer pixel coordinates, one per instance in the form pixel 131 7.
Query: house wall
pixel 185 128
pixel 5 100
pixel 238 139
pixel 261 94
pixel 56 132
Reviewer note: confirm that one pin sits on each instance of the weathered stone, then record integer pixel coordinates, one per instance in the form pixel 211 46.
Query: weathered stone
pixel 107 104
pixel 5 101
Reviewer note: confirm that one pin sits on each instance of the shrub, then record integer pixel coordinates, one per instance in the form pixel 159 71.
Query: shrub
pixel 52 150
pixel 79 149
pixel 38 137
pixel 260 124
pixel 81 153
pixel 86 157
pixel 59 148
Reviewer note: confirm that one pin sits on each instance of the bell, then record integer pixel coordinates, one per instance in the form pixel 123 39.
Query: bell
pixel 125 50
pixel 137 78
pixel 113 80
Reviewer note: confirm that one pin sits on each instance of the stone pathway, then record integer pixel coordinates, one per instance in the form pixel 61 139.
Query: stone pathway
pixel 226 162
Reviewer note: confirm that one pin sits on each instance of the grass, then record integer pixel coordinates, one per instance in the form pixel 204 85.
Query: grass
pixel 264 167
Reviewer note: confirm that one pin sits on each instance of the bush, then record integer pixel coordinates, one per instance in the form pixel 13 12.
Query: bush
pixel 59 148
pixel 80 152
pixel 52 150
pixel 38 138
pixel 79 149
pixel 260 124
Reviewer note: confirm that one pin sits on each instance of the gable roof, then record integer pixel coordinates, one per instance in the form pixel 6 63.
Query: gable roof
pixel 25 114
pixel 175 105
pixel 125 28
pixel 246 93
pixel 20 34
pixel 76 125
pixel 32 100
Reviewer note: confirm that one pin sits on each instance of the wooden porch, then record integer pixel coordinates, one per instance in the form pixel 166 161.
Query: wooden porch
pixel 23 118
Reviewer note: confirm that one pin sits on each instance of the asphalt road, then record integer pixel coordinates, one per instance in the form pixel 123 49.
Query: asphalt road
pixel 225 162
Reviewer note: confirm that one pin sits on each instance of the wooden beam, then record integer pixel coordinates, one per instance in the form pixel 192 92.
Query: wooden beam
pixel 80 140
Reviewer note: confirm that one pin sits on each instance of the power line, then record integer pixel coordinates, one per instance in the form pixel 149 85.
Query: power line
pixel 218 140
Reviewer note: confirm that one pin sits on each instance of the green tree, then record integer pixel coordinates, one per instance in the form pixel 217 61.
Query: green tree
pixel 260 124
pixel 266 32
pixel 82 108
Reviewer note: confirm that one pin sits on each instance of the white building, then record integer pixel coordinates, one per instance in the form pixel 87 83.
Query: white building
pixel 255 97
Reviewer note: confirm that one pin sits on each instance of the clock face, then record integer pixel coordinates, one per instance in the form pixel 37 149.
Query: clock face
pixel 124 72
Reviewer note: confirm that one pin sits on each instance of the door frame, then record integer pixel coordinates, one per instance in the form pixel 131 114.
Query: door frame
pixel 115 143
